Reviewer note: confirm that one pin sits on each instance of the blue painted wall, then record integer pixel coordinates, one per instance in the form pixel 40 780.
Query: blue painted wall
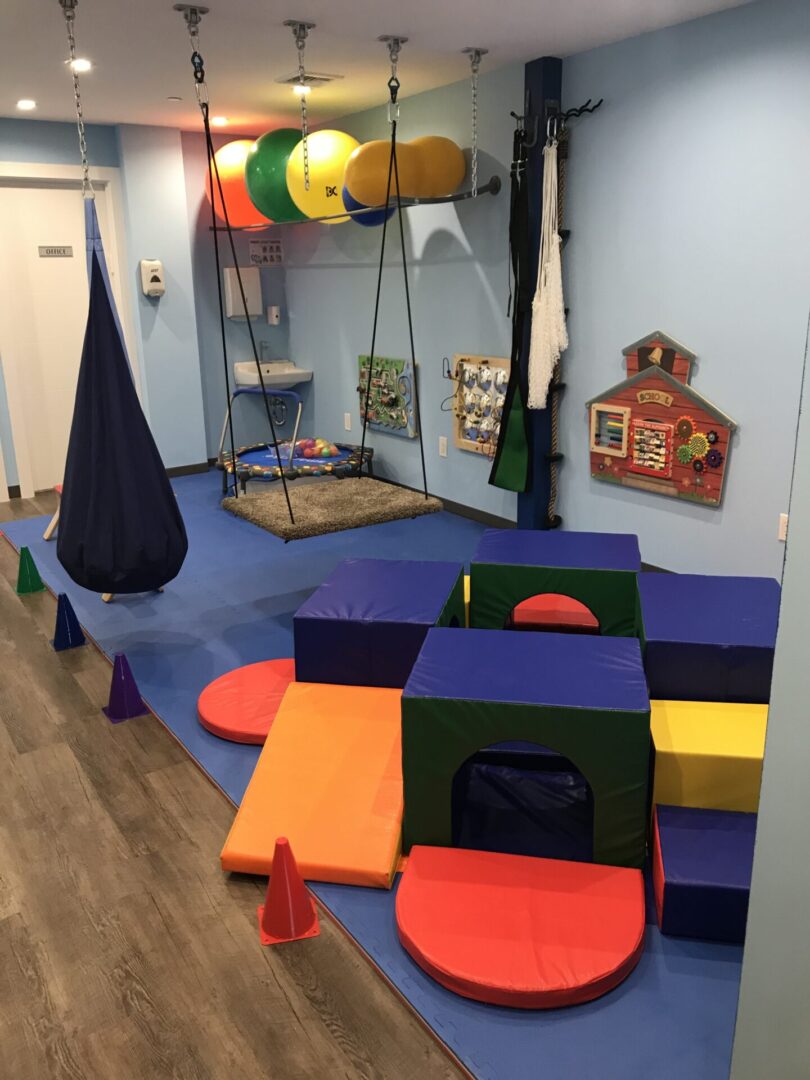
pixel 458 260
pixel 250 420
pixel 47 142
pixel 687 198
pixel 166 328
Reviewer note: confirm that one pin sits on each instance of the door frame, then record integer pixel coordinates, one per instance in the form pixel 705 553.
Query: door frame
pixel 107 186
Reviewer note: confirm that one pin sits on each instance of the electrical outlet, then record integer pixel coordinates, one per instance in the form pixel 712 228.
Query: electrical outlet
pixel 347 421
pixel 783 527
pixel 442 446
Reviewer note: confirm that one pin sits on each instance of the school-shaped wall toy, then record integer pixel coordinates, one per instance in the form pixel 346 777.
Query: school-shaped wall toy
pixel 655 432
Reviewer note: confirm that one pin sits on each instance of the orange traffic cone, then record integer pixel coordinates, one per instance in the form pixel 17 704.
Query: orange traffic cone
pixel 289 912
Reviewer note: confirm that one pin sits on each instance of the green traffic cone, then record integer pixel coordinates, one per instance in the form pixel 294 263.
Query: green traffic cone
pixel 28 579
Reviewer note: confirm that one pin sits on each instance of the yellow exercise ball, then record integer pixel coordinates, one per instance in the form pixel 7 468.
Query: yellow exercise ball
pixel 366 175
pixel 328 152
pixel 441 165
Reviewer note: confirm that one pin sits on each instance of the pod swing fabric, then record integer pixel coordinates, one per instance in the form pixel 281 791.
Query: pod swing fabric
pixel 120 529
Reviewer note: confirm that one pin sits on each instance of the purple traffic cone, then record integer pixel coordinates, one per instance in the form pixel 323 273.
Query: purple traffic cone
pixel 125 698
pixel 67 632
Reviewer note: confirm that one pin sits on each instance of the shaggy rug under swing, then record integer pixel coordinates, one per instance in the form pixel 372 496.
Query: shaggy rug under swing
pixel 328 506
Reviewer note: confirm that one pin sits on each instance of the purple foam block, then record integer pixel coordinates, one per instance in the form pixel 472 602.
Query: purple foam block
pixel 125 698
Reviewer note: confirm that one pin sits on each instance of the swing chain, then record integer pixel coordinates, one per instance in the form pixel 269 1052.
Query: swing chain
pixel 300 33
pixel 69 10
pixel 394 44
pixel 475 55
pixel 193 17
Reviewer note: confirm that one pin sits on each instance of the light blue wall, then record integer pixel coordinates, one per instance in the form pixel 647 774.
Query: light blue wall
pixel 458 260
pixel 47 143
pixel 166 328
pixel 250 419
pixel 688 202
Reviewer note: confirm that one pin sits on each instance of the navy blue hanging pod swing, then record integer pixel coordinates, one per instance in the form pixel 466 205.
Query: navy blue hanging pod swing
pixel 120 529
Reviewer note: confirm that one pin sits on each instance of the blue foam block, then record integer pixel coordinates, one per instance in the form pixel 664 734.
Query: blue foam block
pixel 704 860
pixel 365 625
pixel 564 670
pixel 571 550
pixel 709 638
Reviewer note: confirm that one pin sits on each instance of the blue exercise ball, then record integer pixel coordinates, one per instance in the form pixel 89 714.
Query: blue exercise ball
pixel 375 218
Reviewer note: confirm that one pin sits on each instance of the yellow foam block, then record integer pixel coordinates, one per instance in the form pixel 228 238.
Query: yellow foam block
pixel 467 599
pixel 329 778
pixel 708 753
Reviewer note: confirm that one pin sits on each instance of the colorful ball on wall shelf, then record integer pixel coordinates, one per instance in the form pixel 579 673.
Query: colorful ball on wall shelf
pixel 266 174
pixel 374 217
pixel 328 152
pixel 230 164
pixel 441 165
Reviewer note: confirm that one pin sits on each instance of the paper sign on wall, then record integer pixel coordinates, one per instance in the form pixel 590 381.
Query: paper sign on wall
pixel 265 252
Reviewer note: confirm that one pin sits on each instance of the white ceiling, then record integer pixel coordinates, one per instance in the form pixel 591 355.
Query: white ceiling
pixel 141 52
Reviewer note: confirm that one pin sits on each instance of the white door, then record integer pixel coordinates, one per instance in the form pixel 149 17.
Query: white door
pixel 43 312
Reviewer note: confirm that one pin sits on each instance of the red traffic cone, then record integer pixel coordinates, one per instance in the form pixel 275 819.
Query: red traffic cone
pixel 288 913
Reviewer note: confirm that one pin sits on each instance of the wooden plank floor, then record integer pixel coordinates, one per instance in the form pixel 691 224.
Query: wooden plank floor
pixel 124 951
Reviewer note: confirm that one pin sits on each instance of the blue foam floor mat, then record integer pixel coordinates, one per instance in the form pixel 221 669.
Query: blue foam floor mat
pixel 233 604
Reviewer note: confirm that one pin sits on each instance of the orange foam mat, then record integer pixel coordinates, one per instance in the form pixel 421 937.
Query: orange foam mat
pixel 519 931
pixel 329 778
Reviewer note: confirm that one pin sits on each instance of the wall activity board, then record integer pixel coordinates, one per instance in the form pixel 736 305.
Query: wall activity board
pixel 655 432
pixel 481 383
pixel 391 403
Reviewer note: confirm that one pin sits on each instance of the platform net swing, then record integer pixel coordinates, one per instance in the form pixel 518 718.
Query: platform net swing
pixel 394 45
pixel 192 15
pixel 120 529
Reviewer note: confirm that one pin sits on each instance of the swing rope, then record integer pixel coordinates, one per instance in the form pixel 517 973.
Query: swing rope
pixel 193 17
pixel 69 11
pixel 394 46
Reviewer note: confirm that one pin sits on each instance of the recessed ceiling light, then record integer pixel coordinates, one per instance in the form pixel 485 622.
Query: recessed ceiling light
pixel 26 104
pixel 173 97
pixel 219 121
pixel 79 66
pixel 301 89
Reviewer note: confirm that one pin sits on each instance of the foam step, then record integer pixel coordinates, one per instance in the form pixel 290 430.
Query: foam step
pixel 709 638
pixel 708 754
pixel 702 863
pixel 365 625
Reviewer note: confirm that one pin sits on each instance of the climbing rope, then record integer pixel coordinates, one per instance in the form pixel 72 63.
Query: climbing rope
pixel 394 46
pixel 193 17
pixel 69 11
pixel 556 387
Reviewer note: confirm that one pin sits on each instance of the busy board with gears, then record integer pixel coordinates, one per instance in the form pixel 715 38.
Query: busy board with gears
pixel 481 383
pixel 390 402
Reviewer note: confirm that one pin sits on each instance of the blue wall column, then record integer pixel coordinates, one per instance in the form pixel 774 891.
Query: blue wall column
pixel 543 92
pixel 165 328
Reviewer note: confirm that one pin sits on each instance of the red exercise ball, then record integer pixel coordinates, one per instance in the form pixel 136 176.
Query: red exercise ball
pixel 230 160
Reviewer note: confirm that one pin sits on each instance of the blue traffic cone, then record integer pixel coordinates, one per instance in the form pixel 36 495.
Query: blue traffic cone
pixel 125 698
pixel 67 632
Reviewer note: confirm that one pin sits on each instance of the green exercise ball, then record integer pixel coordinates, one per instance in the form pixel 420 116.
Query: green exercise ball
pixel 266 175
